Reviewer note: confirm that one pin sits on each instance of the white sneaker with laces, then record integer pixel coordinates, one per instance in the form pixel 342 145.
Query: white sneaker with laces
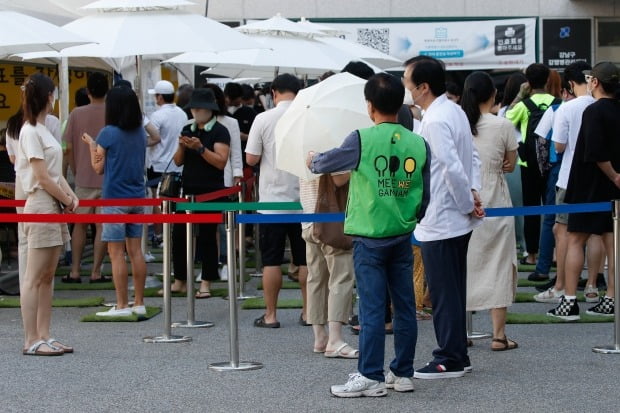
pixel 358 386
pixel 549 296
pixel 400 384
pixel 114 312
pixel 224 273
pixel 138 310
pixel 148 257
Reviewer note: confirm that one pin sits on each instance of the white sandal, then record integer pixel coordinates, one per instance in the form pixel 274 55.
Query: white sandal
pixel 33 350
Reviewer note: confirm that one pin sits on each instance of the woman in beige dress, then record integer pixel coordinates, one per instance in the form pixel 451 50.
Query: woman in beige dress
pixel 491 259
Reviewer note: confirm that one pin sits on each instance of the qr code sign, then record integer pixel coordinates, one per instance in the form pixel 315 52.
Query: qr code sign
pixel 376 38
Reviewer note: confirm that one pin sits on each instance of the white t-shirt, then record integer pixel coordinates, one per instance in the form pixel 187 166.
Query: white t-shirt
pixel 169 120
pixel 52 123
pixel 234 164
pixel 274 185
pixel 566 127
pixel 37 142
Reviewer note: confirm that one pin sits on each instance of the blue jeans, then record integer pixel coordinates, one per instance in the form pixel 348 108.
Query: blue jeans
pixel 119 232
pixel 547 240
pixel 378 270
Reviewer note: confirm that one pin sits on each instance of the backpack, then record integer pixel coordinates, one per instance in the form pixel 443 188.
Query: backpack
pixel 533 149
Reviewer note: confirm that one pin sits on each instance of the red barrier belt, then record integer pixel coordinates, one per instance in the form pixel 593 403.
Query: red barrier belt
pixel 103 202
pixel 209 196
pixel 249 181
pixel 115 218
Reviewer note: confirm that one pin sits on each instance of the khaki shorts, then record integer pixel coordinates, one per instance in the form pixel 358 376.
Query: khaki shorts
pixel 83 192
pixel 44 235
pixel 560 218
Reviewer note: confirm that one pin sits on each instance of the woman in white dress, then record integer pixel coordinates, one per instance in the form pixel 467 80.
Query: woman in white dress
pixel 491 259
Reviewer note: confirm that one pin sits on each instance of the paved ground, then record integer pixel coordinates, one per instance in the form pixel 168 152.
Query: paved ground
pixel 113 370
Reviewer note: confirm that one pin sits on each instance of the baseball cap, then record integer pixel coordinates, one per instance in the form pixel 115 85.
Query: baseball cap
pixel 605 72
pixel 163 87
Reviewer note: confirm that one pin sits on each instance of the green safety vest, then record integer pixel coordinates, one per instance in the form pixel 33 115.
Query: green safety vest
pixel 385 190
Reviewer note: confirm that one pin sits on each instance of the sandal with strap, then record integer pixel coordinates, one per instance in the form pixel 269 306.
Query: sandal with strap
pixel 508 344
pixel 203 294
pixel 52 342
pixel 341 353
pixel 33 350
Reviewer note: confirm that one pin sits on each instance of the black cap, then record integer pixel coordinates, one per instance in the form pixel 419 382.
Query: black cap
pixel 605 72
pixel 202 99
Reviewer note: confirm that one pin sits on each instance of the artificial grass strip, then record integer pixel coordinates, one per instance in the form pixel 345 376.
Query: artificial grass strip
pixel 286 285
pixel 523 297
pixel 517 318
pixel 150 313
pixel 215 292
pixel 529 267
pixel 259 303
pixel 524 282
pixel 62 271
pixel 58 285
pixel 13 302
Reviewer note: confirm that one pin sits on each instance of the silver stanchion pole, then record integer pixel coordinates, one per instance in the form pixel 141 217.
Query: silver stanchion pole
pixel 167 337
pixel 242 295
pixel 474 335
pixel 258 262
pixel 189 262
pixel 234 363
pixel 614 348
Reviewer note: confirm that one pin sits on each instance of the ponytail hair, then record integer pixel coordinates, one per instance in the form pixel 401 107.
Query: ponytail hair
pixel 35 96
pixel 478 88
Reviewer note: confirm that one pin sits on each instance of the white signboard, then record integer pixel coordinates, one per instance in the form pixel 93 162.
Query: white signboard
pixel 462 45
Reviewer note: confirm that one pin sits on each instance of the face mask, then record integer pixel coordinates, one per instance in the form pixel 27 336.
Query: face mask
pixel 408 99
pixel 588 90
pixel 233 109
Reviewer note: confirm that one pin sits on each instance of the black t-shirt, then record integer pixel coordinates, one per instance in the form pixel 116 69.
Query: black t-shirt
pixel 245 116
pixel 598 141
pixel 199 176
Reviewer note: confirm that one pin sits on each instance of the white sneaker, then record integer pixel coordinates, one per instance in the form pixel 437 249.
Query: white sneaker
pixel 199 277
pixel 401 384
pixel 138 310
pixel 549 296
pixel 148 257
pixel 358 386
pixel 224 272
pixel 114 312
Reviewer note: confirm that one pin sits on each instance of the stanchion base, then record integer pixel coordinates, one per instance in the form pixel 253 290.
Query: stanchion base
pixel 167 339
pixel 475 335
pixel 612 349
pixel 243 365
pixel 246 297
pixel 192 324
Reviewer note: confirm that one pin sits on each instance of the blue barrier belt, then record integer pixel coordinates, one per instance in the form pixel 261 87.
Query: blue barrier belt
pixel 490 212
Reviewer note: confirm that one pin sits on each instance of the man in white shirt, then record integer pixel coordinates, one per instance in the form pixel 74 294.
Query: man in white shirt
pixel 454 211
pixel 276 186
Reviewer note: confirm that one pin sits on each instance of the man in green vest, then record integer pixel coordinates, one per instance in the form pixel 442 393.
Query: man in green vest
pixel 388 194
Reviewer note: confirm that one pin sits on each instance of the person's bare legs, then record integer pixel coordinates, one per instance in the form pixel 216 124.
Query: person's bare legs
pixel 595 252
pixel 303 278
pixel 561 244
pixel 116 249
pixel 320 337
pixel 272 282
pixel 36 294
pixel 498 317
pixel 574 260
pixel 138 268
pixel 78 241
pixel 608 241
pixel 99 248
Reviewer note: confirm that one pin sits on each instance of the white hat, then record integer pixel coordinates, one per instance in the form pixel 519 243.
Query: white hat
pixel 163 87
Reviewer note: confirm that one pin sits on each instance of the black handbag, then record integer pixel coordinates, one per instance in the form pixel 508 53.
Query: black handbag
pixel 171 184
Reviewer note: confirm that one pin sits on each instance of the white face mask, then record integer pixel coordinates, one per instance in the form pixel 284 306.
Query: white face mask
pixel 588 90
pixel 408 99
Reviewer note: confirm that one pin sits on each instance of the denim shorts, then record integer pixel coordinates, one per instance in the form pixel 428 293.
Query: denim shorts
pixel 119 232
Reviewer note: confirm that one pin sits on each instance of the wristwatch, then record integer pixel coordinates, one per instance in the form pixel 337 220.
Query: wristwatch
pixel 202 150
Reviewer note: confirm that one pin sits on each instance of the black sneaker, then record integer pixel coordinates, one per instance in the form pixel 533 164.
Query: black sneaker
pixel 566 310
pixel 534 276
pixel 605 307
pixel 437 371
pixel 544 287
pixel 601 284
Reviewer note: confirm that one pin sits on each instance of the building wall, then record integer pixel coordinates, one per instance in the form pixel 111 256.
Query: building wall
pixel 256 9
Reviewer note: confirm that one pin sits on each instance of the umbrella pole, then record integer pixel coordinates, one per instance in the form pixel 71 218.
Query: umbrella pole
pixel 63 89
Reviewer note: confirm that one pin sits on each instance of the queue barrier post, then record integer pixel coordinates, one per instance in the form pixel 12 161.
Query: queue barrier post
pixel 167 337
pixel 189 263
pixel 242 295
pixel 474 335
pixel 614 348
pixel 234 363
pixel 258 261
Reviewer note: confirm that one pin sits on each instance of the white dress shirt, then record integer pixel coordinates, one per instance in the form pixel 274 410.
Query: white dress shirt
pixel 455 171
pixel 234 164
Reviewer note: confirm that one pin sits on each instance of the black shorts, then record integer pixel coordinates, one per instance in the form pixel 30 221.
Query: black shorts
pixel 273 241
pixel 596 223
pixel 151 174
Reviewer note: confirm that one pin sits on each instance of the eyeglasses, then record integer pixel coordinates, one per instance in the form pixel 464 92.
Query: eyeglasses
pixel 588 77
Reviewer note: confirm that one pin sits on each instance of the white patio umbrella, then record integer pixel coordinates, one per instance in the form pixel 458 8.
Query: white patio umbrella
pixel 326 30
pixel 279 26
pixel 319 119
pixel 22 33
pixel 365 53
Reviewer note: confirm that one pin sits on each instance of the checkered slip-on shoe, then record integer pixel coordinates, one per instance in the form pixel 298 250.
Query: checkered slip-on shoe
pixel 605 307
pixel 567 310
